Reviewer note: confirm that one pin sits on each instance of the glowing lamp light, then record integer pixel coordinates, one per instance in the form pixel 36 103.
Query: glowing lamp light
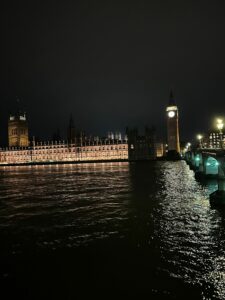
pixel 210 164
pixel 220 124
pixel 171 114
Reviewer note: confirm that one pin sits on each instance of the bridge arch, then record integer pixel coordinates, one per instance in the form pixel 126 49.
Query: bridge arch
pixel 198 160
pixel 211 166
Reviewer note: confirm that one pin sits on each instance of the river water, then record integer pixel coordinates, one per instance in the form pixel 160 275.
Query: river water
pixel 110 230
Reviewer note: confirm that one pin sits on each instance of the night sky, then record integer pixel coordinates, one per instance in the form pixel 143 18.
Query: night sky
pixel 112 64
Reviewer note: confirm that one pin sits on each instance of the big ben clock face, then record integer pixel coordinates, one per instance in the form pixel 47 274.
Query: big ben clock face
pixel 171 114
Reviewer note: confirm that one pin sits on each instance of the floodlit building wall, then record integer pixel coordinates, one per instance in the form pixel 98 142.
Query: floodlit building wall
pixel 63 153
pixel 160 149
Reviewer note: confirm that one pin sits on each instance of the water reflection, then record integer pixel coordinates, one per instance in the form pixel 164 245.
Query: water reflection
pixel 156 207
pixel 217 273
pixel 210 184
pixel 65 204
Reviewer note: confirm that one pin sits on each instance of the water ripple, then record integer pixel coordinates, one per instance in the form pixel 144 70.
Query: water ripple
pixel 157 207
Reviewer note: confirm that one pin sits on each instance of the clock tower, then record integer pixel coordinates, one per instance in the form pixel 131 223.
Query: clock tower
pixel 172 127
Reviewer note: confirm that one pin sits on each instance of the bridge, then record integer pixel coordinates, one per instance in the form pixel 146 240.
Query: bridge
pixel 209 163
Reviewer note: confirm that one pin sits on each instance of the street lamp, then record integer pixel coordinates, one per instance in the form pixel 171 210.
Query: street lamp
pixel 200 137
pixel 219 124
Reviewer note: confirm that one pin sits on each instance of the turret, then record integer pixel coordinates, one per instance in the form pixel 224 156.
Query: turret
pixel 18 129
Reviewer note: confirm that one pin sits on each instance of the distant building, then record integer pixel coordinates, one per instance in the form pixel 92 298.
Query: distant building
pixel 18 130
pixel 173 139
pixel 214 140
pixel 78 148
pixel 141 147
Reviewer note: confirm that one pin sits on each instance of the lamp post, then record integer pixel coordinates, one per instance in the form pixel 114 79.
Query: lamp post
pixel 199 137
pixel 219 124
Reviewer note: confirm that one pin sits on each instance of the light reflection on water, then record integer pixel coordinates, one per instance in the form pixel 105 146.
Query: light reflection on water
pixel 155 206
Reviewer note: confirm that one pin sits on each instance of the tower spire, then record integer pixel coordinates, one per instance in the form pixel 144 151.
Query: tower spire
pixel 71 134
pixel 171 99
pixel 71 122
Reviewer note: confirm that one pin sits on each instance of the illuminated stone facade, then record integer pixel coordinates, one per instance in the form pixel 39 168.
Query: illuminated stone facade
pixel 160 149
pixel 61 152
pixel 79 147
pixel 18 130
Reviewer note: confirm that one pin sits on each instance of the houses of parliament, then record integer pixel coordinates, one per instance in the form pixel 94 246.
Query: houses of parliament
pixel 79 148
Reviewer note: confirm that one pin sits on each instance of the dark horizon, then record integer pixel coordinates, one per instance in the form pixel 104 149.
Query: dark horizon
pixel 62 128
pixel 113 66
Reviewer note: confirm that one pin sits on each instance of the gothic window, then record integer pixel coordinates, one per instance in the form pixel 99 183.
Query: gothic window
pixel 14 131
